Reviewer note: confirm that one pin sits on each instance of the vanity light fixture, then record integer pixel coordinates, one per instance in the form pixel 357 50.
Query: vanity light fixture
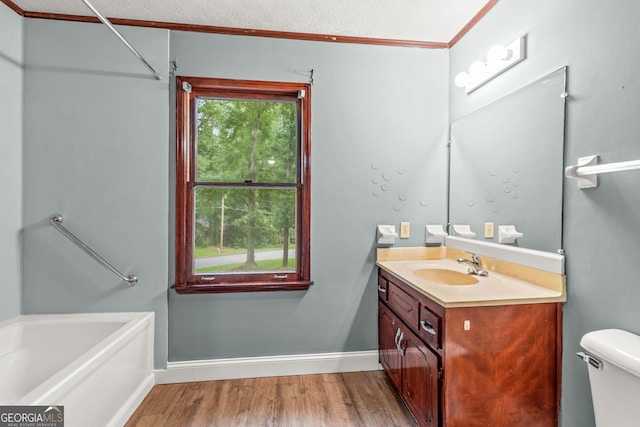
pixel 498 60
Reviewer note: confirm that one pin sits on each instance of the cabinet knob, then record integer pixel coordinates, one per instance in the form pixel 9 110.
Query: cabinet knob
pixel 381 289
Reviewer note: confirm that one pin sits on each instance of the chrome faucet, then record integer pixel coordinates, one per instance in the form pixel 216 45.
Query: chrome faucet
pixel 475 265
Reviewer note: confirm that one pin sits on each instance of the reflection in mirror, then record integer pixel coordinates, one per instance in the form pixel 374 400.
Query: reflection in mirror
pixel 506 165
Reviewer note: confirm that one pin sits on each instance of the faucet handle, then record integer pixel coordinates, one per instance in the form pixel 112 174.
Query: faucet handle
pixel 475 257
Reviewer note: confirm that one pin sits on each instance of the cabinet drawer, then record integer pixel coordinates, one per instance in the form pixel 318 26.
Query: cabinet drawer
pixel 403 304
pixel 429 327
pixel 383 289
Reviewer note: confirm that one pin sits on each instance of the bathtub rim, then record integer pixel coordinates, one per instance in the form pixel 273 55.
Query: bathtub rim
pixel 90 360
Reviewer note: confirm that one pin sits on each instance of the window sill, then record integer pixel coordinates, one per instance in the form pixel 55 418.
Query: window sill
pixel 219 288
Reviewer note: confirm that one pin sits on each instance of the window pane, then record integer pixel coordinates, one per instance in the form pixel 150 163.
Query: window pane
pixel 240 141
pixel 244 230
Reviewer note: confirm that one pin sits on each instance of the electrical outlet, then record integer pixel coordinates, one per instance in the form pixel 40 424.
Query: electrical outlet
pixel 404 230
pixel 488 230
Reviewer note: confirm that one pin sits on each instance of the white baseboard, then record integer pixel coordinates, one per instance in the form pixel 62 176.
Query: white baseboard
pixel 268 366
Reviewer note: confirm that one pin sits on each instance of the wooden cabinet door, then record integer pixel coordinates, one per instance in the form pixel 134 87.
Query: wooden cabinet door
pixel 388 335
pixel 420 379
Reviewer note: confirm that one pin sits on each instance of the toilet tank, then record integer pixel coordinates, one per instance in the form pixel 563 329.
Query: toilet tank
pixel 615 383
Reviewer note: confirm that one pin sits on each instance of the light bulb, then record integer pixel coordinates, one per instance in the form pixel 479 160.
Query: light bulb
pixel 496 54
pixel 477 70
pixel 462 79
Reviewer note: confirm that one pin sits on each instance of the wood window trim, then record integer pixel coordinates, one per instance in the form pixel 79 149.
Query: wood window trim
pixel 186 281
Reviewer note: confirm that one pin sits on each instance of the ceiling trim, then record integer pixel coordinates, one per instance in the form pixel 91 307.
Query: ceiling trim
pixel 11 5
pixel 487 7
pixel 242 31
pixel 262 33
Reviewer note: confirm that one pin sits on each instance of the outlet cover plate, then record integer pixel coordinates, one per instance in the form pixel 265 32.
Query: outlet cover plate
pixel 405 232
pixel 489 230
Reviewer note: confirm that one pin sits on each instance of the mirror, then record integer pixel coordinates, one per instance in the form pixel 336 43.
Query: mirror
pixel 506 165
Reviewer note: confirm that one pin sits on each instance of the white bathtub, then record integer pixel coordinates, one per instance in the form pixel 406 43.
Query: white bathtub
pixel 99 366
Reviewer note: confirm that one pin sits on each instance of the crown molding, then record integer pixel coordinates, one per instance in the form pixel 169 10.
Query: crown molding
pixel 478 16
pixel 261 33
pixel 11 5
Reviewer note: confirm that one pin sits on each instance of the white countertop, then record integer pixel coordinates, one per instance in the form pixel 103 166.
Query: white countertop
pixel 495 289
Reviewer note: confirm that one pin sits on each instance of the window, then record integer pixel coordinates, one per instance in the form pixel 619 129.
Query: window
pixel 242 186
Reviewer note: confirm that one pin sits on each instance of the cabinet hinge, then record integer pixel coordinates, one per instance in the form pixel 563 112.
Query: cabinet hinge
pixel 440 374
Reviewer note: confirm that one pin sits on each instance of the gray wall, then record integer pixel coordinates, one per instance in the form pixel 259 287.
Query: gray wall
pixel 11 47
pixel 599 43
pixel 95 151
pixel 98 151
pixel 378 117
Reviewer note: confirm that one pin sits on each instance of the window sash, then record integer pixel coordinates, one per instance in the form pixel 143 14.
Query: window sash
pixel 260 169
pixel 222 227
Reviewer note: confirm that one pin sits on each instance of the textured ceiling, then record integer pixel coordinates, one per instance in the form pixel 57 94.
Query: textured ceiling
pixel 418 20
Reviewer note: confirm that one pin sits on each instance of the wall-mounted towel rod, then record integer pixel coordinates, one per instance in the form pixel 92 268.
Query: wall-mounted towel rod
pixel 56 222
pixel 106 22
pixel 587 170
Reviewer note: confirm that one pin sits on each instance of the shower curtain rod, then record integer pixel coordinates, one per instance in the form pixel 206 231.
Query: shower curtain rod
pixel 106 22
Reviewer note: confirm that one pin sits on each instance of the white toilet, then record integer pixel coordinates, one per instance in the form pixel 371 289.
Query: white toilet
pixel 613 356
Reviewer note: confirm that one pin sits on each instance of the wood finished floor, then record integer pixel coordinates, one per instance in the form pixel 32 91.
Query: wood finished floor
pixel 363 399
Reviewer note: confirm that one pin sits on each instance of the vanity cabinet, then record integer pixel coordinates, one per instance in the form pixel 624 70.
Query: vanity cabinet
pixel 482 365
pixel 411 366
